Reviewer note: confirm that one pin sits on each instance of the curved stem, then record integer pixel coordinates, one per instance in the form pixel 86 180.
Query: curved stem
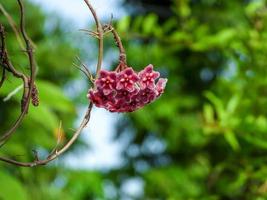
pixel 100 34
pixel 29 50
pixel 118 41
pixel 56 153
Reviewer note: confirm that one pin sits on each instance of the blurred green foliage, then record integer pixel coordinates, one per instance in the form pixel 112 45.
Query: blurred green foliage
pixel 204 139
pixel 211 120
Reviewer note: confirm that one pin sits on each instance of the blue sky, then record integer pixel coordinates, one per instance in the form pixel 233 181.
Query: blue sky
pixel 76 10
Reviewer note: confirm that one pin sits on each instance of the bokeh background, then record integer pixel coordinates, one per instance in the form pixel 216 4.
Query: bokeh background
pixel 204 139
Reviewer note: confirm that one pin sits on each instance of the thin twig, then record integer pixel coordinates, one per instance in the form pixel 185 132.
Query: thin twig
pixel 83 68
pixel 91 33
pixel 100 38
pixel 122 58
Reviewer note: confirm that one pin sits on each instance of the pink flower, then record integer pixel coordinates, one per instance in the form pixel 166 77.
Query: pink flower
pixel 106 81
pixel 133 105
pixel 100 99
pixel 126 95
pixel 95 98
pixel 126 80
pixel 160 86
pixel 118 107
pixel 147 77
pixel 125 91
pixel 147 95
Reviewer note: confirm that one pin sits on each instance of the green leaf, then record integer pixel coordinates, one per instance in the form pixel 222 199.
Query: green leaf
pixel 44 116
pixel 180 36
pixel 254 6
pixel 124 24
pixel 208 113
pixel 261 123
pixel 232 104
pixel 11 189
pixel 137 23
pixel 258 142
pixel 217 103
pixel 53 97
pixel 10 86
pixel 149 23
pixel 232 140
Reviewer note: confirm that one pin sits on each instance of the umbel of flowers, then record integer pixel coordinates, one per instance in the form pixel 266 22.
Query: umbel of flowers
pixel 126 90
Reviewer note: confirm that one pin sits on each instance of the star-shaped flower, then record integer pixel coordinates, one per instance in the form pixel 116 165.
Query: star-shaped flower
pixel 100 99
pixel 147 95
pixel 126 80
pixel 106 81
pixel 148 77
pixel 160 86
pixel 126 95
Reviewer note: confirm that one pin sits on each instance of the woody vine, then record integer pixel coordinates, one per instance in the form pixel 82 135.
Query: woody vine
pixel 121 90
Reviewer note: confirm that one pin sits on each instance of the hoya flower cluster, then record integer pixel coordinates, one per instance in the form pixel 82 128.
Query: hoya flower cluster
pixel 126 91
